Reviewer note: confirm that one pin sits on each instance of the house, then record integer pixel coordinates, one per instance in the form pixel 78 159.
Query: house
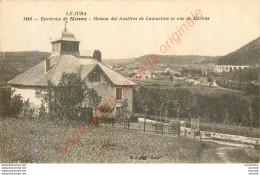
pixel 147 75
pixel 65 58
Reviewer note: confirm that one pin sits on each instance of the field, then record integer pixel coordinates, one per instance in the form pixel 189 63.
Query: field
pixel 104 144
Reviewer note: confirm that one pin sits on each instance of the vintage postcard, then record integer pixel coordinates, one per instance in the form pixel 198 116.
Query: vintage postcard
pixel 130 81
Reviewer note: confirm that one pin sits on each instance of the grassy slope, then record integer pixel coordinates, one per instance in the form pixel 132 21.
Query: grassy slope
pixel 242 155
pixel 102 144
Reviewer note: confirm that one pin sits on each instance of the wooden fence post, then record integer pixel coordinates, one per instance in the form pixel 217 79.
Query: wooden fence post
pixel 179 130
pixel 162 128
pixel 128 124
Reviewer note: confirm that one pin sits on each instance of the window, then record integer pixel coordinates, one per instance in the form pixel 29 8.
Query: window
pixel 94 77
pixel 75 47
pixel 118 93
pixel 69 47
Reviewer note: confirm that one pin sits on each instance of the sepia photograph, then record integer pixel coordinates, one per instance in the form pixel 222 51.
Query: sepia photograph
pixel 130 82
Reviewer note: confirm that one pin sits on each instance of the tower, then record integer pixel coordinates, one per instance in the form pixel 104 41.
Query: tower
pixel 68 44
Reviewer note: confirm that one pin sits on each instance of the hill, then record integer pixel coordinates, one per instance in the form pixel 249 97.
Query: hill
pixel 14 63
pixel 165 59
pixel 179 59
pixel 249 54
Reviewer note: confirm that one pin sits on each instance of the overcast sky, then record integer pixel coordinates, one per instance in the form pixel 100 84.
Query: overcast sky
pixel 232 24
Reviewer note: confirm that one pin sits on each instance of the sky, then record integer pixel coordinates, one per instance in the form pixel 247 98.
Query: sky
pixel 232 24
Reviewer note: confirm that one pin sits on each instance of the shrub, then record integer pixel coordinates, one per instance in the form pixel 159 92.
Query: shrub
pixel 17 106
pixel 65 100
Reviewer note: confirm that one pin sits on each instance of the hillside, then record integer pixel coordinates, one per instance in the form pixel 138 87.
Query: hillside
pixel 165 59
pixel 14 63
pixel 179 59
pixel 249 54
pixel 118 61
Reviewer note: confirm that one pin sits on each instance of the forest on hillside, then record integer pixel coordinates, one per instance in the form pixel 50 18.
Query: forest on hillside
pixel 15 63
pixel 246 55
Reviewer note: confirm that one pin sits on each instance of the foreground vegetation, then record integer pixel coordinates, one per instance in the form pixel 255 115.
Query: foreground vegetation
pixel 103 144
pixel 210 126
pixel 225 108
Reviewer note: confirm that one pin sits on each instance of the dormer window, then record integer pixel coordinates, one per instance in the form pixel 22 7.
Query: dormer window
pixel 94 77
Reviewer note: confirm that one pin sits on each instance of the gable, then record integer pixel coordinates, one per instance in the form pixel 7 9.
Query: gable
pixel 97 75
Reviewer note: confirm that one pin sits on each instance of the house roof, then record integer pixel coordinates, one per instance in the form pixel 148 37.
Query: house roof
pixel 60 64
pixel 66 36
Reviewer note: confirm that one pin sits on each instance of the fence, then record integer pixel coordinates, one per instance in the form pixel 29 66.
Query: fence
pixel 161 128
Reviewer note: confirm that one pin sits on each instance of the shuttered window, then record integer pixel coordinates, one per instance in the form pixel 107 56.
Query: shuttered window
pixel 118 93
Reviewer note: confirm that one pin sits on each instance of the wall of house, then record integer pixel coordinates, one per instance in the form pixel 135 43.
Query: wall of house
pixel 28 93
pixel 104 88
pixel 108 92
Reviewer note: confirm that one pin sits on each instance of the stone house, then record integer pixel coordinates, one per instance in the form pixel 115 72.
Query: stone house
pixel 65 58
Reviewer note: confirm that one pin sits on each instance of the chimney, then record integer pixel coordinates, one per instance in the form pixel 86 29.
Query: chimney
pixel 97 55
pixel 47 65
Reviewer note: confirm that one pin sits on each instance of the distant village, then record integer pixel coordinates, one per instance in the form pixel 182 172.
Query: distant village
pixel 164 70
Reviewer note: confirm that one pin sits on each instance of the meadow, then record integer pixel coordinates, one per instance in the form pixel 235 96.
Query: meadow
pixel 101 144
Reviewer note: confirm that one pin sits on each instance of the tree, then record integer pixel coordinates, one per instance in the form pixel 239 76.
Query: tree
pixel 158 99
pixel 93 98
pixel 169 109
pixel 16 105
pixel 65 100
pixel 252 89
pixel 162 101
pixel 210 81
pixel 145 101
pixel 181 101
pixel 125 109
pixel 252 116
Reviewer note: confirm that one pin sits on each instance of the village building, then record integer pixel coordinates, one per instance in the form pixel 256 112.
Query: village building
pixel 65 58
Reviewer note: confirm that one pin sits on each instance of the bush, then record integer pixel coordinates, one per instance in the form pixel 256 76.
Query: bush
pixel 17 106
pixel 65 100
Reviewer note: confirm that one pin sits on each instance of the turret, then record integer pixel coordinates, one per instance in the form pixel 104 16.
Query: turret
pixel 68 44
